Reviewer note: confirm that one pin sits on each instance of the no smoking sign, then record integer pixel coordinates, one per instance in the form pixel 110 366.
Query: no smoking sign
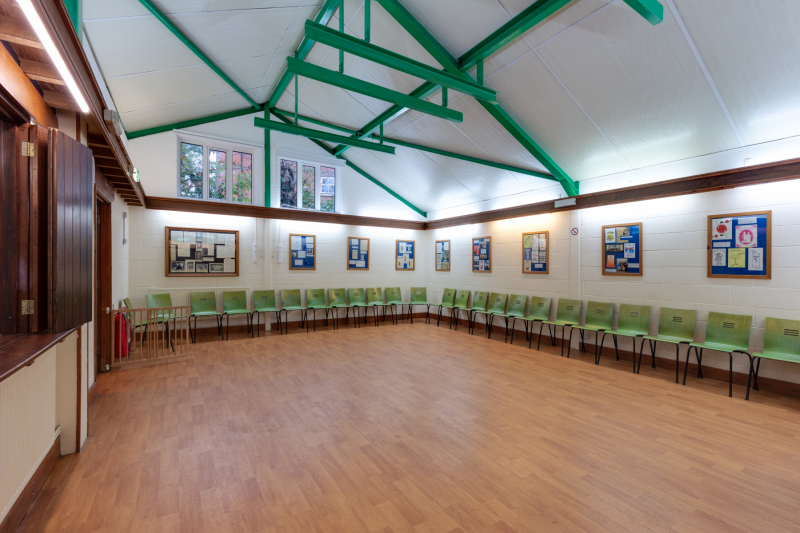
pixel 574 231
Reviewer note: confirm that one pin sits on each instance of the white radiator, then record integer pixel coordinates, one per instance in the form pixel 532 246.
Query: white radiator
pixel 27 425
pixel 181 296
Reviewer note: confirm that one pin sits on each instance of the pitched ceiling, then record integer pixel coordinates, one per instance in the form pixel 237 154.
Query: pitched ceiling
pixel 598 87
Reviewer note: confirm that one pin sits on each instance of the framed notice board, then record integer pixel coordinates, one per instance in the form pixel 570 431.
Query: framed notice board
pixel 622 250
pixel 357 253
pixel 443 256
pixel 739 245
pixel 535 253
pixel 404 253
pixel 481 254
pixel 303 248
pixel 192 252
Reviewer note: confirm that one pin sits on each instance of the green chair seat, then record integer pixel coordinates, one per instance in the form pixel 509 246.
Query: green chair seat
pixel 358 299
pixel 419 296
pixel 394 297
pixel 779 356
pixel 516 310
pixel 496 306
pixel 675 326
pixel 205 313
pixel 161 300
pixel 235 303
pixel 599 317
pixel 479 302
pixel 203 304
pixel 448 299
pixel 460 302
pixel 539 312
pixel 633 321
pixel 781 343
pixel 264 302
pixel 337 299
pixel 291 301
pixel 568 314
pixel 718 346
pixel 315 300
pixel 375 297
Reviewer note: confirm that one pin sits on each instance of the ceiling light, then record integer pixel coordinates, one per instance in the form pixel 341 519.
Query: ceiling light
pixel 47 42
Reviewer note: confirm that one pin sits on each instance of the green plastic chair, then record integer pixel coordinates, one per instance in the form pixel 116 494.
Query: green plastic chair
pixel 393 298
pixel 568 313
pixel 633 321
pixel 291 301
pixel 419 296
pixel 315 299
pixel 162 300
pixel 264 302
pixel 479 302
pixel 599 318
pixel 516 309
pixel 338 300
pixel 539 312
pixel 675 326
pixel 497 306
pixel 235 303
pixel 460 303
pixel 375 301
pixel 725 333
pixel 448 299
pixel 203 304
pixel 141 321
pixel 781 343
pixel 358 299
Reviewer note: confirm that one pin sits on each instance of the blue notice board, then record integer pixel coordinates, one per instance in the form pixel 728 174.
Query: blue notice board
pixel 481 254
pixel 303 249
pixel 622 250
pixel 534 253
pixel 739 245
pixel 404 253
pixel 357 253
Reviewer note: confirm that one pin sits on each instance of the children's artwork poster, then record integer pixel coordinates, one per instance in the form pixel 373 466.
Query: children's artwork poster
pixel 535 258
pixel 303 250
pixel 357 253
pixel 481 254
pixel 622 250
pixel 739 245
pixel 404 255
pixel 443 256
pixel 201 252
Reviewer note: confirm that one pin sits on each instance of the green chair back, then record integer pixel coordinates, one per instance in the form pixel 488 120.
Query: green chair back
pixel 782 336
pixel 203 302
pixel 497 303
pixel 479 300
pixel 540 308
pixel 729 329
pixel 599 314
pixel 263 300
pixel 634 318
pixel 516 305
pixel 158 300
pixel 462 297
pixel 357 297
pixel 393 295
pixel 291 298
pixel 419 295
pixel 338 297
pixel 234 302
pixel 678 323
pixel 375 295
pixel 568 310
pixel 127 303
pixel 315 297
pixel 448 297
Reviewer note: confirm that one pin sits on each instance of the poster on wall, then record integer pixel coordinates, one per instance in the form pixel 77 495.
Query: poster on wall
pixel 357 253
pixel 739 245
pixel 622 250
pixel 303 250
pixel 535 250
pixel 443 256
pixel 481 254
pixel 192 252
pixel 404 252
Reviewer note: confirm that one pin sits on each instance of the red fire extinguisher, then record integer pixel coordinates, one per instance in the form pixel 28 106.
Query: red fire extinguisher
pixel 120 336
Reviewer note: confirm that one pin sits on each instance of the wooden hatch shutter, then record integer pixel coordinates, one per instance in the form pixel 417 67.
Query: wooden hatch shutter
pixel 70 174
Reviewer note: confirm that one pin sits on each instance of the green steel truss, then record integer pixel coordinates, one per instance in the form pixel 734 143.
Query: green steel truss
pixel 189 123
pixel 651 10
pixel 309 133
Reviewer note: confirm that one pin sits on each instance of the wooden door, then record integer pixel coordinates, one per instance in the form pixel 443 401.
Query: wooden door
pixel 102 305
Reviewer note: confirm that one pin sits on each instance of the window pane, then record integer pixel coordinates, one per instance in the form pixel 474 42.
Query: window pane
pixel 191 170
pixel 309 179
pixel 288 183
pixel 242 177
pixel 327 193
pixel 217 175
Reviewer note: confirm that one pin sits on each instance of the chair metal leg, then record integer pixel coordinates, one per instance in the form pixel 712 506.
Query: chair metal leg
pixel 634 354
pixel 677 361
pixel 539 344
pixel 730 376
pixel 616 348
pixel 599 351
pixel 749 377
pixel 755 375
pixel 228 329
pixel 569 343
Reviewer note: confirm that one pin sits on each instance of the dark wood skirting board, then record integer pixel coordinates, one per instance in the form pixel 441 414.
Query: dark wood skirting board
pixel 18 351
pixel 20 508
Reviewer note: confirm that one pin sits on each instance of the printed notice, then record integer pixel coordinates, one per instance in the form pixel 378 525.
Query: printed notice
pixel 189 237
pixel 718 257
pixel 301 254
pixel 309 242
pixel 230 239
pixel 298 262
pixel 527 266
pixel 446 246
pixel 296 242
pixel 527 241
pixel 747 236
pixel 748 220
pixel 183 249
pixel 721 229
pixel 539 265
pixel 755 259
pixel 543 242
pixel 534 242
pixel 630 250
pixel 176 236
pixel 611 234
pixel 221 251
pixel 361 264
pixel 229 265
pixel 401 248
pixel 364 244
pixel 721 245
pixel 736 258
pixel 354 254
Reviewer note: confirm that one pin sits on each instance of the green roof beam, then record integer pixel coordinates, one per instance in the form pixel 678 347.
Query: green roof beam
pixel 323 17
pixel 199 53
pixel 310 120
pixel 651 10
pixel 376 54
pixel 349 83
pixel 291 129
pixel 189 123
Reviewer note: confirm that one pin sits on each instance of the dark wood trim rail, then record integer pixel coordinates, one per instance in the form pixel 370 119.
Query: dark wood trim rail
pixel 21 350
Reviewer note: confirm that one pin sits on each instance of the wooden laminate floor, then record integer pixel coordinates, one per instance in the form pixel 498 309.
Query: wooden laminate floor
pixel 411 428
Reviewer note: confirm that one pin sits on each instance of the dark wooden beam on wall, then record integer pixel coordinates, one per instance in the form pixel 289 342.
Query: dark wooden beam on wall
pixel 103 187
pixel 16 86
pixel 61 101
pixel 36 70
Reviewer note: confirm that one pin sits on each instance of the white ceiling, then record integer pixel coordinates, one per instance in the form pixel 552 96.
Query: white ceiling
pixel 599 88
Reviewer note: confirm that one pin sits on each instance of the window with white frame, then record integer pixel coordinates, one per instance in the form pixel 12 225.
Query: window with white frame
pixel 307 184
pixel 215 170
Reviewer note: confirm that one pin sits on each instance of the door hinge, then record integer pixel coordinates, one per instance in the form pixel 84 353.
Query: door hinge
pixel 27 149
pixel 27 307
